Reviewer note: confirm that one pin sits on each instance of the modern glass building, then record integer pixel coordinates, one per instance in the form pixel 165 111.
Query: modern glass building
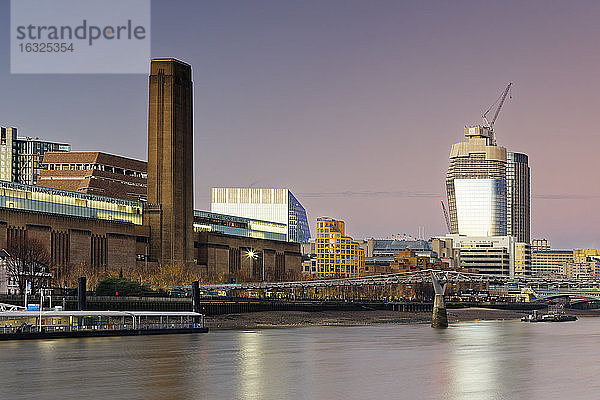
pixel 488 188
pixel 518 196
pixel 481 207
pixel 55 201
pixel 476 185
pixel 239 226
pixel 274 205
pixel 338 256
pixel 21 157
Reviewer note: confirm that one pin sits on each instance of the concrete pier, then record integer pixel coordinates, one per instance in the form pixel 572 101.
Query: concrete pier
pixel 439 319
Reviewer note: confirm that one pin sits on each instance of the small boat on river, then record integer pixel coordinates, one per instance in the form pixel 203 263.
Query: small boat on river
pixel 553 317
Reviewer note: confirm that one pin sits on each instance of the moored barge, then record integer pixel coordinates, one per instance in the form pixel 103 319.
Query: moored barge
pixel 54 324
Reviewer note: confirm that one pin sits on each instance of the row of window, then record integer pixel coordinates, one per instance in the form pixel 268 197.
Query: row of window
pixel 98 167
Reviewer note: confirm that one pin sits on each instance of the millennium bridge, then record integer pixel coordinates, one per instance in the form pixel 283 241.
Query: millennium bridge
pixel 538 288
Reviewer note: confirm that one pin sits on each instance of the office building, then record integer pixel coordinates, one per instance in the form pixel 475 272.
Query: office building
pixel 582 271
pixel 338 256
pixel 495 255
pixel 540 244
pixel 488 188
pixel 379 253
pixel 518 196
pixel 21 157
pixel 443 247
pixel 404 260
pixel 522 259
pixel 476 185
pixel 276 205
pixel 93 172
pixel 582 255
pixel 551 263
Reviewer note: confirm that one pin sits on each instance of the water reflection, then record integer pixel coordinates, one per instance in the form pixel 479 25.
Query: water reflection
pixel 251 364
pixel 476 360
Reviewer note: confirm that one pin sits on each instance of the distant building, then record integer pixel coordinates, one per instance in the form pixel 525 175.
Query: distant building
pixel 309 265
pixel 309 257
pixel 582 255
pixel 338 256
pixel 575 264
pixel 582 271
pixel 276 205
pixel 551 262
pixel 495 255
pixel 540 244
pixel 444 248
pixel 389 247
pixel 379 253
pixel 405 260
pixel 94 172
pixel 518 196
pixel 21 157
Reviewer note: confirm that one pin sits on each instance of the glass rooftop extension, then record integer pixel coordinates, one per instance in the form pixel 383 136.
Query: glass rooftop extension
pixel 63 202
pixel 239 226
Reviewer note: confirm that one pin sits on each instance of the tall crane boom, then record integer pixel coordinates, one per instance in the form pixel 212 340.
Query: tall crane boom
pixel 500 102
pixel 446 216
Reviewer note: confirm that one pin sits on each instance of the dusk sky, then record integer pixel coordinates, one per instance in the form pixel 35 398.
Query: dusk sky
pixel 354 105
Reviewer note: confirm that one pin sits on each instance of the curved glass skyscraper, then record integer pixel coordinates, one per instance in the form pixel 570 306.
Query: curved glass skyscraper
pixel 488 188
pixel 476 185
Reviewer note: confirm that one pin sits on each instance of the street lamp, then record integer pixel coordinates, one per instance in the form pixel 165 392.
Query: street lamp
pixel 253 255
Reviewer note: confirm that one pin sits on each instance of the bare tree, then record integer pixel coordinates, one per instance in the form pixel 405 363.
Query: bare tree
pixel 28 260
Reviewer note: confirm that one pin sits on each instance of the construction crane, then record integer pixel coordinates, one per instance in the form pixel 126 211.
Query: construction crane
pixel 446 216
pixel 500 102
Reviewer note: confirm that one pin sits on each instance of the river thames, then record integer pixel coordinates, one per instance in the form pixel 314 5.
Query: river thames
pixel 469 360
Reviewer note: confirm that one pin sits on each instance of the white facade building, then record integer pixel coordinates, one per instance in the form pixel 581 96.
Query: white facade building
pixel 275 205
pixel 495 255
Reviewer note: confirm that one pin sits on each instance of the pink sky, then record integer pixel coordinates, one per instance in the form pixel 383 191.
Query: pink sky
pixel 354 105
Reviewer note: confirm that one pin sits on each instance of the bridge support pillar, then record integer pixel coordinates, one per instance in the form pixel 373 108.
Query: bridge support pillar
pixel 439 319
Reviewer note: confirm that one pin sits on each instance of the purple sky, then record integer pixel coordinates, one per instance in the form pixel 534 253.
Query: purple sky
pixel 354 105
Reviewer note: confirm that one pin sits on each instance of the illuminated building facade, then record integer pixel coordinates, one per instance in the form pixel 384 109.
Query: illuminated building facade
pixel 476 185
pixel 276 205
pixel 65 203
pixel 338 256
pixel 488 188
pixel 205 221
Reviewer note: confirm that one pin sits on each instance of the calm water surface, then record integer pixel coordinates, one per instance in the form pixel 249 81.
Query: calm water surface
pixel 470 360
